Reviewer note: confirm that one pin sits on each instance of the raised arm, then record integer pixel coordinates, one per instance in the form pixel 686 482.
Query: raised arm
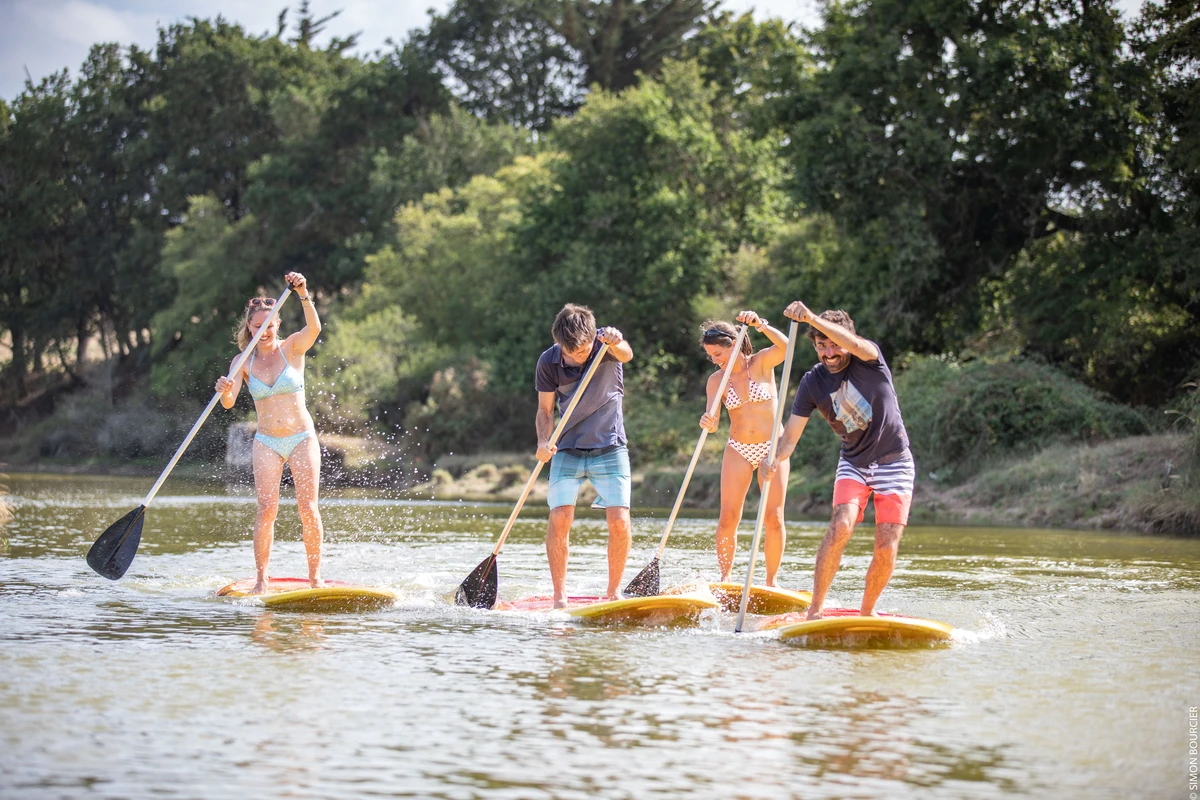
pixel 300 341
pixel 618 348
pixel 850 342
pixel 772 356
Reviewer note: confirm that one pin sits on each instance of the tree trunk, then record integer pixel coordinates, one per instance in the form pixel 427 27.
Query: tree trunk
pixel 18 359
pixel 81 334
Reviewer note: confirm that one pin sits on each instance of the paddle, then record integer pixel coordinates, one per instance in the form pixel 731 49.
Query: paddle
pixel 114 550
pixel 480 588
pixel 766 487
pixel 646 583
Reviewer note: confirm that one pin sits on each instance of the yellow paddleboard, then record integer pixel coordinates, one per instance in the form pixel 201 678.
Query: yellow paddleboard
pixel 660 609
pixel 763 599
pixel 294 594
pixel 853 629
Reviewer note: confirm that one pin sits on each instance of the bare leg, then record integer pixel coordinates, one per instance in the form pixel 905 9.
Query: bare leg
pixel 306 472
pixel 268 468
pixel 829 555
pixel 558 538
pixel 735 480
pixel 619 538
pixel 887 544
pixel 775 533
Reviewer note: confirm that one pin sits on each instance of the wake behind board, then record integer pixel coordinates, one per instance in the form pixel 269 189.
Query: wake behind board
pixel 763 599
pixel 294 594
pixel 658 610
pixel 845 626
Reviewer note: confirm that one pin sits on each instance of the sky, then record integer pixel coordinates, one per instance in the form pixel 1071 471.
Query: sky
pixel 43 36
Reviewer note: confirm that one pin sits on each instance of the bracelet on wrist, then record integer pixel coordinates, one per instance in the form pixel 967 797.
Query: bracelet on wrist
pixel 306 299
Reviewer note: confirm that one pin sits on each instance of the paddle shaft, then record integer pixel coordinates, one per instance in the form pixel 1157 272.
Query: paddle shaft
pixel 237 365
pixel 562 424
pixel 766 487
pixel 713 411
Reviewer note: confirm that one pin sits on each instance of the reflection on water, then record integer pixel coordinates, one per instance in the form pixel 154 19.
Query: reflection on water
pixel 1070 675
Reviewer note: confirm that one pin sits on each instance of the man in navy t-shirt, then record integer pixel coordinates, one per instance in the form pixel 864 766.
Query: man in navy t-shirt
pixel 852 389
pixel 592 446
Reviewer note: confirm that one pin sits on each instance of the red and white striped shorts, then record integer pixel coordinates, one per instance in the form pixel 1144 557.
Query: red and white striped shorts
pixel 891 483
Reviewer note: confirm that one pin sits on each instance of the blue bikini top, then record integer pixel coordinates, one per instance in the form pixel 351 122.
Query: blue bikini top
pixel 290 380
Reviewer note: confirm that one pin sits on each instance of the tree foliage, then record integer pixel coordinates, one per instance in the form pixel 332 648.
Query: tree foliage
pixel 949 136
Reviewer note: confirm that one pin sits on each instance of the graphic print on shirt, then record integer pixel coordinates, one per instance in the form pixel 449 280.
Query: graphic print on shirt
pixel 851 408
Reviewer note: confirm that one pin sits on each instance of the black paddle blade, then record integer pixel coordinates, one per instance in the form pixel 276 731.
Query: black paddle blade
pixel 645 583
pixel 480 589
pixel 113 552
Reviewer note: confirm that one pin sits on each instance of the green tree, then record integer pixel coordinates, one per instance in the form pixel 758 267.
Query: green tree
pixel 40 211
pixel 650 196
pixel 506 60
pixel 751 64
pixel 215 263
pixel 1118 301
pixel 618 40
pixel 948 136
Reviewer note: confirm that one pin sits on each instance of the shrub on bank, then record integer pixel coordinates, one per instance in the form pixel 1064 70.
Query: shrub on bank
pixel 961 414
pixel 86 427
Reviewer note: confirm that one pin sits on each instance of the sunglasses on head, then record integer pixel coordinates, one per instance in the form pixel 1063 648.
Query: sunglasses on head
pixel 712 335
pixel 262 302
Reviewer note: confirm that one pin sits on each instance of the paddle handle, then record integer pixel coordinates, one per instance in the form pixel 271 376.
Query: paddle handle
pixel 713 411
pixel 558 429
pixel 237 365
pixel 766 487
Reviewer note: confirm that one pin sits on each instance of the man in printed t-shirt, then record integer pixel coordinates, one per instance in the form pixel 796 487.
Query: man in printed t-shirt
pixel 592 446
pixel 852 388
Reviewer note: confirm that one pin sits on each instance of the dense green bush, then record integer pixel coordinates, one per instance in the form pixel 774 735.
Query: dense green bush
pixel 960 414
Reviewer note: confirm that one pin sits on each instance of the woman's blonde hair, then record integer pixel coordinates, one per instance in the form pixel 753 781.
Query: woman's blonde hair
pixel 723 334
pixel 241 332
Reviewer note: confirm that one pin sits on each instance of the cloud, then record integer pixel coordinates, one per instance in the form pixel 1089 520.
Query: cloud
pixel 46 36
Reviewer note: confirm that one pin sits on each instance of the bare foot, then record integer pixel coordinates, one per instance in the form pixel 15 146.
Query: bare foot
pixel 316 583
pixel 871 613
pixel 560 602
pixel 814 613
pixel 260 587
pixel 613 596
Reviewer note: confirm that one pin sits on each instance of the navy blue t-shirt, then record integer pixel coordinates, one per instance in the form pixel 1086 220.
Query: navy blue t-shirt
pixel 859 403
pixel 598 421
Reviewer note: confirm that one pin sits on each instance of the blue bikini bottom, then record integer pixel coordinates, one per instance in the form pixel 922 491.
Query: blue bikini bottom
pixel 283 445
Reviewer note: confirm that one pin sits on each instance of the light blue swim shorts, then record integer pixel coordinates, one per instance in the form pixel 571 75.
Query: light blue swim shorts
pixel 608 470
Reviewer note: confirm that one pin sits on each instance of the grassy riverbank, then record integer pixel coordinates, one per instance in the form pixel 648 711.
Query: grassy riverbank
pixel 1139 483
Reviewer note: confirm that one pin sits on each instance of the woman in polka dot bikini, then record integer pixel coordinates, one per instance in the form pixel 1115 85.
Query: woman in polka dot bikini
pixel 749 398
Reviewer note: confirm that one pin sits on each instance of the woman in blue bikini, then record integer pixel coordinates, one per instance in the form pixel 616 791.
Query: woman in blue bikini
pixel 274 375
pixel 748 399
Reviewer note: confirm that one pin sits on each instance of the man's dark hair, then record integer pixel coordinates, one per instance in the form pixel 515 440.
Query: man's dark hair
pixel 837 317
pixel 574 327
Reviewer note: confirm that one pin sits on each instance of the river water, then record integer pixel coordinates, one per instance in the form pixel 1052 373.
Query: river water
pixel 1072 674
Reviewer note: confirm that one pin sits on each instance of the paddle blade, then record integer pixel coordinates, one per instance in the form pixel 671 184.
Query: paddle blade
pixel 480 589
pixel 645 583
pixel 113 552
